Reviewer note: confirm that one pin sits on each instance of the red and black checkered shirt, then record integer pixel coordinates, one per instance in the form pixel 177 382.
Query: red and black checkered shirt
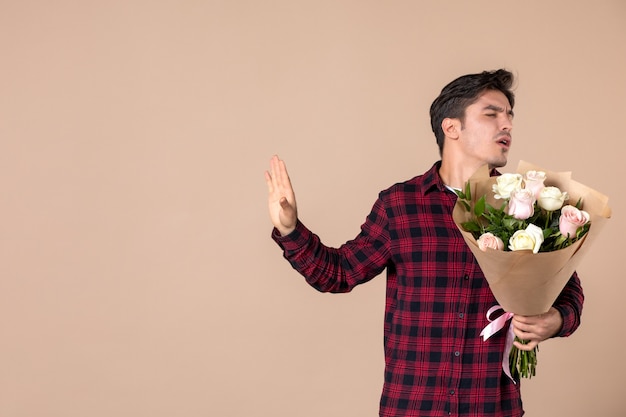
pixel 436 364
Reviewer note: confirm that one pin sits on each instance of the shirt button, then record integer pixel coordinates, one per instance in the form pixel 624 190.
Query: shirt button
pixel 451 392
pixel 461 315
pixel 466 277
pixel 457 353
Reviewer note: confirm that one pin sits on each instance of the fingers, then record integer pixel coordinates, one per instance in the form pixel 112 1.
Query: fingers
pixel 270 175
pixel 269 182
pixel 525 334
pixel 527 331
pixel 280 182
pixel 277 177
pixel 539 327
pixel 279 173
pixel 530 345
pixel 521 326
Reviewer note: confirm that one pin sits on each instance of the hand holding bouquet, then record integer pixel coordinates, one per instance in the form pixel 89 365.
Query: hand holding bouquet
pixel 527 237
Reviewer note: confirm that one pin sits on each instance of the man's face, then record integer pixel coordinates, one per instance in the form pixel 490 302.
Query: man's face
pixel 486 130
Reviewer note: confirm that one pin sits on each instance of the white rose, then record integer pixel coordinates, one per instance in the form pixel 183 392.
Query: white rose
pixel 529 239
pixel 506 184
pixel 551 198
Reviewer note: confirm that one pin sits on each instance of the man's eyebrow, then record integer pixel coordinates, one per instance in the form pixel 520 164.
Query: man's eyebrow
pixel 498 109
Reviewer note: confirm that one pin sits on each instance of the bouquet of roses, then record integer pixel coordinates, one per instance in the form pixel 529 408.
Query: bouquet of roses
pixel 527 237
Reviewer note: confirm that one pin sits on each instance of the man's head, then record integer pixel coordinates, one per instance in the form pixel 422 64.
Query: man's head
pixel 464 91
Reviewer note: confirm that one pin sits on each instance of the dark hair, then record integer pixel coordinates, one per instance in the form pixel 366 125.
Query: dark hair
pixel 464 91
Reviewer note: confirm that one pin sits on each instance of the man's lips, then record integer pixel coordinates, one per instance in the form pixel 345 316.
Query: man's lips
pixel 505 141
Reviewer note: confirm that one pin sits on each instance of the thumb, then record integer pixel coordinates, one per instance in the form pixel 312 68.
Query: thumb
pixel 289 213
pixel 284 204
pixel 287 217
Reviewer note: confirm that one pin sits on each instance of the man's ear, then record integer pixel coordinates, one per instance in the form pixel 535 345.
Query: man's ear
pixel 451 127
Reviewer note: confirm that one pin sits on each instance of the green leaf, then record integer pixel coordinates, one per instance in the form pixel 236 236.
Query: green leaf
pixel 547 233
pixel 471 227
pixel 468 190
pixel 560 240
pixel 490 208
pixel 583 230
pixel 479 208
pixel 555 233
pixel 510 222
pixel 579 204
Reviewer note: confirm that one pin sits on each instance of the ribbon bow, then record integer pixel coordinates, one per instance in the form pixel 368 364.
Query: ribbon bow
pixel 493 327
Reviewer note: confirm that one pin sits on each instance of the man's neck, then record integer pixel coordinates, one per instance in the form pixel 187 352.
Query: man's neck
pixel 456 175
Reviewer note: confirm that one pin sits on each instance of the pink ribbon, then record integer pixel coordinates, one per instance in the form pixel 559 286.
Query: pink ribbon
pixel 493 327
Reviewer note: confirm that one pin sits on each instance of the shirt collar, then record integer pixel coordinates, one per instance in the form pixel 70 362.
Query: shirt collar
pixel 432 181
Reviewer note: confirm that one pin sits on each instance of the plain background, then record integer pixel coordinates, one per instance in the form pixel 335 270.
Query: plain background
pixel 137 274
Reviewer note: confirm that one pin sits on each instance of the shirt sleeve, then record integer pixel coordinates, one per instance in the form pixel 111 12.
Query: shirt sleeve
pixel 339 269
pixel 570 305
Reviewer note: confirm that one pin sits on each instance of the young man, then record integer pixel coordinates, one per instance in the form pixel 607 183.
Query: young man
pixel 436 364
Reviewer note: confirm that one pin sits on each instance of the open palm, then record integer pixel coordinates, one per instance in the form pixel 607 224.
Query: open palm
pixel 281 198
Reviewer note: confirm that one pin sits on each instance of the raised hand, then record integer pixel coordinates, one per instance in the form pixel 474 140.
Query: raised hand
pixel 281 198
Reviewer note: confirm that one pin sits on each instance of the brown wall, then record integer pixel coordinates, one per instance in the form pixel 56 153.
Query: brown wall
pixel 137 276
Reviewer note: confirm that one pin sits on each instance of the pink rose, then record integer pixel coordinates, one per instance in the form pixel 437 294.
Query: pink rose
pixel 489 240
pixel 533 180
pixel 571 220
pixel 522 204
